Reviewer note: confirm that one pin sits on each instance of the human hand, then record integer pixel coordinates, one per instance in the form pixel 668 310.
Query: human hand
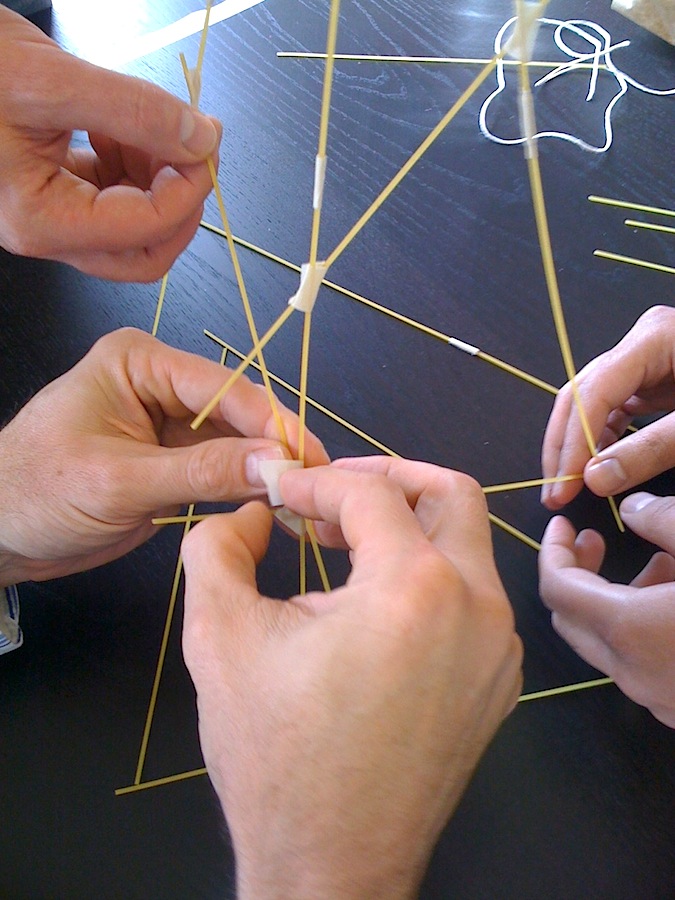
pixel 340 729
pixel 634 378
pixel 625 631
pixel 88 462
pixel 123 210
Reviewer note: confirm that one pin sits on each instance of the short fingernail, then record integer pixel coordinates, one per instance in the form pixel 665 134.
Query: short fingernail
pixel 608 475
pixel 636 502
pixel 198 133
pixel 550 492
pixel 254 459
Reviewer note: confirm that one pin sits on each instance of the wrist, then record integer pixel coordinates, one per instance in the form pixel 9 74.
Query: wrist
pixel 316 886
pixel 367 875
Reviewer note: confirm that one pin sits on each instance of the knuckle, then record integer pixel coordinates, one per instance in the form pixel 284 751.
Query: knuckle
pixel 200 548
pixel 209 471
pixel 110 488
pixel 121 337
pixel 197 631
pixel 657 317
pixel 148 110
pixel 199 540
pixel 190 545
pixel 455 482
pixel 470 490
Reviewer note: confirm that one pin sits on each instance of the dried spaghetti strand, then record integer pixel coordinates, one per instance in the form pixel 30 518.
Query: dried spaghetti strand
pixel 627 204
pixel 244 364
pixel 543 233
pixel 414 158
pixel 632 261
pixel 565 689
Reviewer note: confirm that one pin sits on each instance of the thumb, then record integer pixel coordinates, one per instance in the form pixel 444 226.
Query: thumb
pixel 634 459
pixel 213 470
pixel 220 556
pixel 129 110
pixel 652 517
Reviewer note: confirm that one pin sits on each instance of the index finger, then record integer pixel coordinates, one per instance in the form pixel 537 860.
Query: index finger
pixel 131 110
pixel 73 215
pixel 640 360
pixel 566 586
pixel 175 384
pixel 446 507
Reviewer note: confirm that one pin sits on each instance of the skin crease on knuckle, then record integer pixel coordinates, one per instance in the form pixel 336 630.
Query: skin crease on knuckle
pixel 149 106
pixel 104 481
pixel 212 472
pixel 459 485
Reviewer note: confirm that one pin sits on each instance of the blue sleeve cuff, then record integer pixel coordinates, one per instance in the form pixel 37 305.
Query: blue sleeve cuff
pixel 11 635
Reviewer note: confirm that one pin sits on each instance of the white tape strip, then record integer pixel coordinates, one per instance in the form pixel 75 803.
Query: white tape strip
pixel 521 43
pixel 460 345
pixel 319 180
pixel 270 471
pixel 527 123
pixel 291 520
pixel 311 277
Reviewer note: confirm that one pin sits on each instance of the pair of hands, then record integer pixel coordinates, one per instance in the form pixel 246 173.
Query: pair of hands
pixel 401 677
pixel 626 631
pixel 95 455
pixel 339 729
pixel 123 210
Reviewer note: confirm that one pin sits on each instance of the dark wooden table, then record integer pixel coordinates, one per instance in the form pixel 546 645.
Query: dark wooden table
pixel 575 798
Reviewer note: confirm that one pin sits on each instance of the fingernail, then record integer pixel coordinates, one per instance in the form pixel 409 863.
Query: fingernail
pixel 549 494
pixel 608 475
pixel 198 133
pixel 254 459
pixel 635 502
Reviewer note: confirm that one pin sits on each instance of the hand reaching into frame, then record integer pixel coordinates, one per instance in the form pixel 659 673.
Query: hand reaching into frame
pixel 89 461
pixel 341 729
pixel 626 631
pixel 123 210
pixel 637 377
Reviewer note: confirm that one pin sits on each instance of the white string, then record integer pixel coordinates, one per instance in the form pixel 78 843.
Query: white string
pixel 601 42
